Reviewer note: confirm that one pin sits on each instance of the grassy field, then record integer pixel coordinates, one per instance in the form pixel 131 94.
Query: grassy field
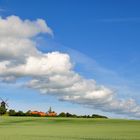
pixel 28 128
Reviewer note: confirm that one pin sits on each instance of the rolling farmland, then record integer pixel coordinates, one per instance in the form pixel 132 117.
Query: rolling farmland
pixel 40 128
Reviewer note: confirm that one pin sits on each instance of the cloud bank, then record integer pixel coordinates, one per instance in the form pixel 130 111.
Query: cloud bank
pixel 51 73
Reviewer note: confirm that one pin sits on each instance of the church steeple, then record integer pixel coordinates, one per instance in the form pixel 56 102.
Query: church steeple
pixel 50 110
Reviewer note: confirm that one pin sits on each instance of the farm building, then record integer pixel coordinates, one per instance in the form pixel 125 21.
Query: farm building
pixel 42 114
pixel 50 113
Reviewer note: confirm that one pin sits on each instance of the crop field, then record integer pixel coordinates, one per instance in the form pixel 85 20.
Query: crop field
pixel 36 128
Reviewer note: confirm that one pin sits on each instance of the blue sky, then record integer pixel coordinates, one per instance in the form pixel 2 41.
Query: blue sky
pixel 102 38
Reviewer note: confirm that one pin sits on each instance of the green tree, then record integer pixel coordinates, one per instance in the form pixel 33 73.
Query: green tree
pixel 98 116
pixel 12 112
pixel 62 114
pixel 20 113
pixel 68 115
pixel 28 113
pixel 2 110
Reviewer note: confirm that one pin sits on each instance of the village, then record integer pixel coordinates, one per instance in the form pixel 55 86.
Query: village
pixel 50 113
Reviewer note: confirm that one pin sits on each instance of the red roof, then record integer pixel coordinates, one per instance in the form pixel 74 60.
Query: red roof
pixel 38 113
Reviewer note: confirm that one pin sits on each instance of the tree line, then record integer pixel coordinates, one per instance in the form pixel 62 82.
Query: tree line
pixel 11 112
pixel 62 114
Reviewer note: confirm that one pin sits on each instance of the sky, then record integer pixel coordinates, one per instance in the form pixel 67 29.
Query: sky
pixel 80 56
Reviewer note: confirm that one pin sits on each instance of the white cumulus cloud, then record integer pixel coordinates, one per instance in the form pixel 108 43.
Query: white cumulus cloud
pixel 13 26
pixel 51 73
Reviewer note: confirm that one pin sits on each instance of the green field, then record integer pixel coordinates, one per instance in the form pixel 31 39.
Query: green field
pixel 29 128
